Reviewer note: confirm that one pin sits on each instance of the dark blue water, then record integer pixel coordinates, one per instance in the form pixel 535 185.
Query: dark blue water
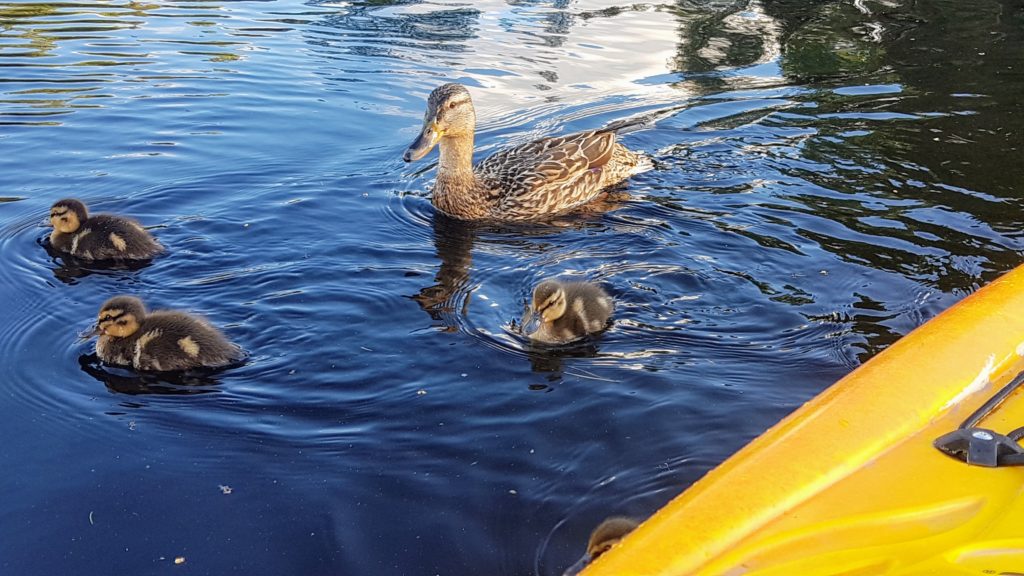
pixel 829 176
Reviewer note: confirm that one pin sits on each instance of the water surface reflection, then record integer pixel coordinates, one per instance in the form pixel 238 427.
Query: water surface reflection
pixel 829 175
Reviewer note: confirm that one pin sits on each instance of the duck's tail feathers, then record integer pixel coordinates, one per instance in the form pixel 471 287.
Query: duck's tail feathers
pixel 643 164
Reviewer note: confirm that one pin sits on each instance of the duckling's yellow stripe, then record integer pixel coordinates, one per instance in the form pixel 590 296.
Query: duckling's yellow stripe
pixel 189 346
pixel 118 242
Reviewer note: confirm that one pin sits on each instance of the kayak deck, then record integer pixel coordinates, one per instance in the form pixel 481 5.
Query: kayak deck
pixel 851 484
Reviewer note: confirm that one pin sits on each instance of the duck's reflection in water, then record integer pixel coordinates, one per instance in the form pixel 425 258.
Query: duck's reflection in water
pixel 449 296
pixel 124 381
pixel 453 240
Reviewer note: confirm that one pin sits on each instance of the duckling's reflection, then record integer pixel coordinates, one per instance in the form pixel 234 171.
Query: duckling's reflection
pixel 169 383
pixel 70 270
pixel 547 359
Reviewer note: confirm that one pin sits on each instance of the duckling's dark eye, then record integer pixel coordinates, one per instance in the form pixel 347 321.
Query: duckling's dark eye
pixel 451 104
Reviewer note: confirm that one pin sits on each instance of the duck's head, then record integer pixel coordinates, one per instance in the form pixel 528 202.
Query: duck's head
pixel 120 317
pixel 548 300
pixel 607 534
pixel 449 113
pixel 67 215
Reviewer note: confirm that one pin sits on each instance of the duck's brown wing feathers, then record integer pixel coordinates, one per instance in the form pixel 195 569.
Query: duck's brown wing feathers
pixel 550 175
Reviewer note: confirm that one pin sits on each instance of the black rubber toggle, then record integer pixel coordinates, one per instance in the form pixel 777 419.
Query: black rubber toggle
pixel 981 447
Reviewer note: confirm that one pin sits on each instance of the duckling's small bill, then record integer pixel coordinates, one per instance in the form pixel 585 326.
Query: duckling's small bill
pixel 86 335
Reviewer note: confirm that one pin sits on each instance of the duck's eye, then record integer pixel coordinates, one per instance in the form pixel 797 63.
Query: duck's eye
pixel 451 105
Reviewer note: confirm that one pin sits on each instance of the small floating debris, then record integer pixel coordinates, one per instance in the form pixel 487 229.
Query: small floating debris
pixel 179 560
pixel 225 489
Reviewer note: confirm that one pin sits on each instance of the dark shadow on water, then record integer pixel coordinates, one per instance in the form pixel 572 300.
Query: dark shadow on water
pixel 125 381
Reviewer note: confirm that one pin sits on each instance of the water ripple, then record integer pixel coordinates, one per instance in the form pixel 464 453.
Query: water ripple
pixel 819 191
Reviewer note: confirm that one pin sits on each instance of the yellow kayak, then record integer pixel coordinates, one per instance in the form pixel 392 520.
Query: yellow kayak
pixel 907 466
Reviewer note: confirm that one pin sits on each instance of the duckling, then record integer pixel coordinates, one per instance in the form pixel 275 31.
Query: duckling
pixel 530 181
pixel 98 237
pixel 569 311
pixel 607 534
pixel 164 340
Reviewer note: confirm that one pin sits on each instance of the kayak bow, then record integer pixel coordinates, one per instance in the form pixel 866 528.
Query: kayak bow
pixel 851 483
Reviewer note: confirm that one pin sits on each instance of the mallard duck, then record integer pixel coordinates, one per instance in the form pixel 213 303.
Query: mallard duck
pixel 569 311
pixel 98 237
pixel 164 340
pixel 607 534
pixel 530 181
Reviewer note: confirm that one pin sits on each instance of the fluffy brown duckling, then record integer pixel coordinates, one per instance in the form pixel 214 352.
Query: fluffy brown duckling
pixel 164 340
pixel 607 534
pixel 100 236
pixel 569 311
